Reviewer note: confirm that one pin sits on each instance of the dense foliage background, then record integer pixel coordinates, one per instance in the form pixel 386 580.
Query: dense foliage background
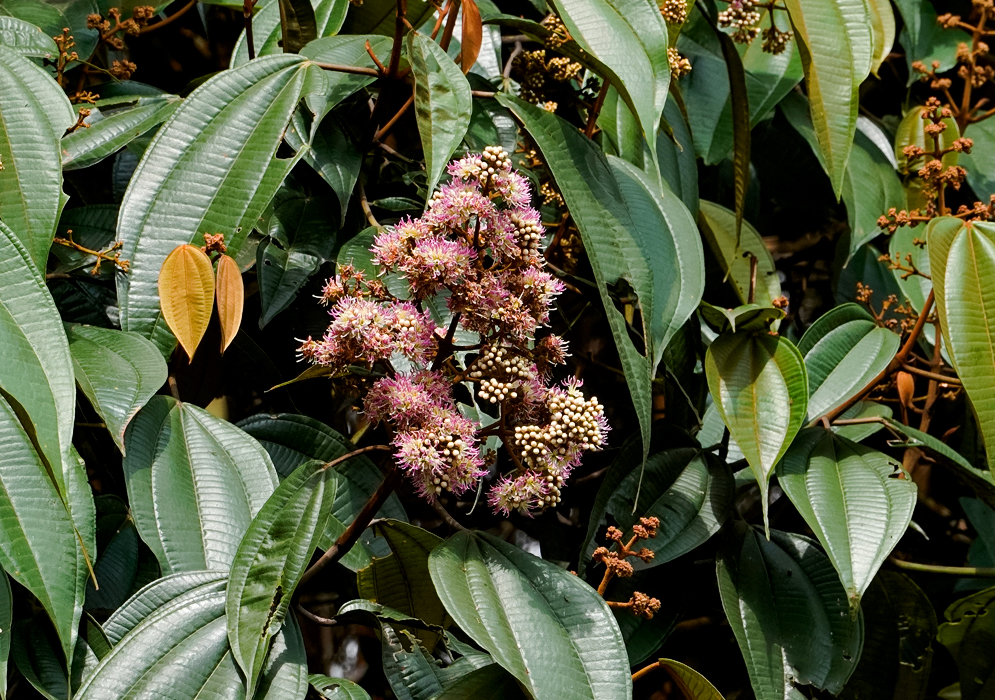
pixel 772 230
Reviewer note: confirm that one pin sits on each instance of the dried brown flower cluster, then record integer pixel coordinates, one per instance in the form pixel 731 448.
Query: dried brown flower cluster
pixel 615 563
pixel 112 33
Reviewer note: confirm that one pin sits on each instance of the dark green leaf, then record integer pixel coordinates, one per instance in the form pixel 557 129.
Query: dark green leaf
pixel 195 482
pixel 26 38
pixel 270 562
pixel 443 104
pixel 788 612
pixel 298 24
pixel 488 683
pixel 899 626
pixel 33 114
pixel 6 618
pixel 112 128
pixel 337 688
pixel 539 622
pixel 844 350
pixel 718 227
pixel 678 166
pixel 267 32
pixel 967 634
pixel 116 570
pixel 119 372
pixel 92 227
pixel 857 501
pixel 925 40
pixel 760 388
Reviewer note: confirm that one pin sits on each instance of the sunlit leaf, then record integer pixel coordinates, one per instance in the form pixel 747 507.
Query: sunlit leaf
pixel 231 297
pixel 186 295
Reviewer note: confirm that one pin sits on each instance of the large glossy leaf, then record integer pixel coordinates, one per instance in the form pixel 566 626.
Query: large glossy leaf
pixel 401 580
pixel 26 38
pixel 443 105
pixel 678 166
pixel 915 288
pixel 195 482
pixel 690 494
pixel 119 372
pixel 630 37
pixel 39 544
pixel 788 612
pixel 113 127
pixel 718 227
pixel 857 501
pixel 980 162
pixel 844 350
pixel 270 562
pixel 694 685
pixel 198 176
pixel 967 634
pixel 36 653
pixel 116 569
pixel 37 372
pixel 899 626
pixel 962 263
pixel 615 245
pixel 760 388
pixel 835 45
pixel 349 51
pixel 490 682
pixel 292 440
pixel 666 232
pixel 170 643
pixel 33 114
pixel 551 630
pixel 297 24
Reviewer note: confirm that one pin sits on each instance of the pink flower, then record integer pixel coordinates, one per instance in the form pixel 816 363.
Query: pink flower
pixel 413 332
pixel 513 188
pixel 435 262
pixel 404 399
pixel 525 493
pixel 457 204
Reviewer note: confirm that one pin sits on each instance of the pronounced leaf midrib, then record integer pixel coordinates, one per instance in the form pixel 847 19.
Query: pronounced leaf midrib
pixel 551 614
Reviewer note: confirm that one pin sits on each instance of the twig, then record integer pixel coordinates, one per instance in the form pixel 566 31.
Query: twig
pixel 896 363
pixel 247 7
pixel 592 118
pixel 447 34
pixel 932 375
pixel 172 18
pixel 365 204
pixel 450 520
pixel 646 670
pixel 393 120
pixel 376 61
pixel 753 279
pixel 355 70
pixel 962 571
pixel 352 533
pixel 317 619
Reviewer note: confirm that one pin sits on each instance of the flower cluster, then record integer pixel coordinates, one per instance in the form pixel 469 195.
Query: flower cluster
pixel 478 247
pixel 743 17
pixel 640 604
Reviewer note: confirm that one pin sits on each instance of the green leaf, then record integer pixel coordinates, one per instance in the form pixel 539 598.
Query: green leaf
pixel 748 317
pixel 899 626
pixel 401 580
pixel 27 39
pixel 377 16
pixel 844 350
pixel 925 40
pixel 760 388
pixel 333 154
pixel 678 165
pixel 37 378
pixel 195 482
pixel 835 44
pixel 113 128
pixel 882 32
pixel 860 431
pixel 302 235
pixel 967 633
pixel 539 622
pixel 267 30
pixel 336 688
pixel 870 188
pixel 915 288
pixel 270 561
pixel 37 655
pixel 119 372
pixel 620 251
pixel 980 162
pixel 92 227
pixel 911 131
pixel 630 37
pixel 694 685
pixel 116 569
pixel 33 114
pixel 788 612
pixel 292 440
pixel 173 199
pixel 857 501
pixel 666 233
pixel 690 494
pixel 39 544
pixel 488 683
pixel 158 594
pixel 718 227
pixel 443 104
pixel 962 262
pixel 297 23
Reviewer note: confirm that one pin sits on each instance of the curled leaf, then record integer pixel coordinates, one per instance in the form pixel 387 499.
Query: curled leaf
pixel 231 297
pixel 471 36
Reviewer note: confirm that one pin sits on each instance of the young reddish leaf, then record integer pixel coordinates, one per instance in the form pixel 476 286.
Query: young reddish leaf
pixel 472 35
pixel 231 297
pixel 186 294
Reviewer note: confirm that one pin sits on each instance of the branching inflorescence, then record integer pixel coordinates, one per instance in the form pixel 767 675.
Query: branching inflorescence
pixel 477 246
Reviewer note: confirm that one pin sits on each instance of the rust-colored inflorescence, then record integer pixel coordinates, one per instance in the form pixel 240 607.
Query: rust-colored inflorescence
pixel 615 563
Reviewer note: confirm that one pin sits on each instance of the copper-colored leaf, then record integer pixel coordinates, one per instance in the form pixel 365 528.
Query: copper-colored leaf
pixel 186 294
pixel 471 36
pixel 231 296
